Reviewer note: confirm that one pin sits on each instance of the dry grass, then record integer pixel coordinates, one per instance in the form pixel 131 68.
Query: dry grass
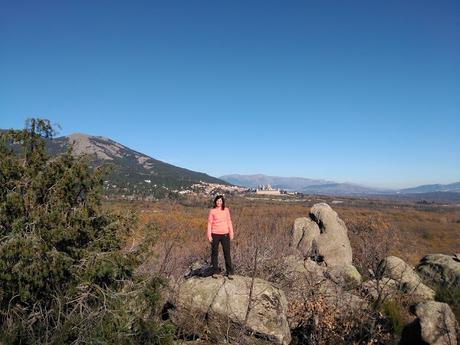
pixel 414 230
pixel 419 231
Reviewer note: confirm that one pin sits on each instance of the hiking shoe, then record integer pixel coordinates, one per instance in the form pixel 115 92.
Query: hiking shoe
pixel 230 276
pixel 215 275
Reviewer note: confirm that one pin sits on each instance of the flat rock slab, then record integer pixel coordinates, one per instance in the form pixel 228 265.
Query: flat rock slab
pixel 219 307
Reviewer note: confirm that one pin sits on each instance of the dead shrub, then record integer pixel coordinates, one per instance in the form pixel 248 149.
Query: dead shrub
pixel 372 239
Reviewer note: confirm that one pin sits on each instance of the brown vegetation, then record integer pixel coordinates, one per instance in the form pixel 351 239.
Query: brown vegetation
pixel 262 233
pixel 409 231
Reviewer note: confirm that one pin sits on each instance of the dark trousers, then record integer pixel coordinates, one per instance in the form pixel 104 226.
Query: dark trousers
pixel 225 240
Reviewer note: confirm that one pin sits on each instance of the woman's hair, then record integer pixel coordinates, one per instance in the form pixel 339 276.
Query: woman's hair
pixel 217 198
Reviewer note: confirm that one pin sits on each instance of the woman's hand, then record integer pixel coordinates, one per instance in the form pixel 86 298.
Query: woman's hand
pixel 210 240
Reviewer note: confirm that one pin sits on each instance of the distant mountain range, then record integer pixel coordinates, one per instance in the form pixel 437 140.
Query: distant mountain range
pixel 311 186
pixel 300 184
pixel 133 173
pixel 430 188
pixel 286 183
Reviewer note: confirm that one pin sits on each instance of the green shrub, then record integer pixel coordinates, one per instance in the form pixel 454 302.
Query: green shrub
pixel 64 273
pixel 395 315
pixel 450 294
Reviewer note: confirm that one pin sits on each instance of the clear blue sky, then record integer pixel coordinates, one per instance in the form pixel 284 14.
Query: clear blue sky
pixel 350 91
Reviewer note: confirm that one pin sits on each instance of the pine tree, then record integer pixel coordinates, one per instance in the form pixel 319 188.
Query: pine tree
pixel 65 274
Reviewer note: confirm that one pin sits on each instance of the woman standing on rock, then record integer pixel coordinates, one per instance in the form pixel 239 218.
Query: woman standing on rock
pixel 220 230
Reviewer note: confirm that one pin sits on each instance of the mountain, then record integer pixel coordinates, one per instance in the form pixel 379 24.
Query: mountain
pixel 286 183
pixel 133 173
pixel 341 189
pixel 431 188
pixel 301 184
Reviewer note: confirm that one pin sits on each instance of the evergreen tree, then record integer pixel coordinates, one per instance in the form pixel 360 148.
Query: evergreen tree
pixel 65 274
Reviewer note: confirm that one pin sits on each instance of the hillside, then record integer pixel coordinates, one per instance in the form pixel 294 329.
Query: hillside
pixel 133 174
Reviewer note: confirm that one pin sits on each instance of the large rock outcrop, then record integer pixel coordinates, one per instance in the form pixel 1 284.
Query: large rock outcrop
pixel 222 307
pixel 322 236
pixel 322 267
pixel 435 325
pixel 441 269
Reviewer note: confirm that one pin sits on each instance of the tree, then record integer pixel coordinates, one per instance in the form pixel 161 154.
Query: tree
pixel 65 274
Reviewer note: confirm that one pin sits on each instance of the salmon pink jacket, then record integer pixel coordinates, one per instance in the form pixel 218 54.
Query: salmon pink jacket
pixel 219 222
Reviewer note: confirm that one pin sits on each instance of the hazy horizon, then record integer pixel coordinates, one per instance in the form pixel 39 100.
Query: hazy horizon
pixel 389 186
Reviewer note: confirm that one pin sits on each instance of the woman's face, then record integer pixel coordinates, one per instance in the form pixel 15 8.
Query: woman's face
pixel 219 202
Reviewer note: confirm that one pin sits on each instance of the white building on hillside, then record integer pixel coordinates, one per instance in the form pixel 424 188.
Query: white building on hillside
pixel 267 190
